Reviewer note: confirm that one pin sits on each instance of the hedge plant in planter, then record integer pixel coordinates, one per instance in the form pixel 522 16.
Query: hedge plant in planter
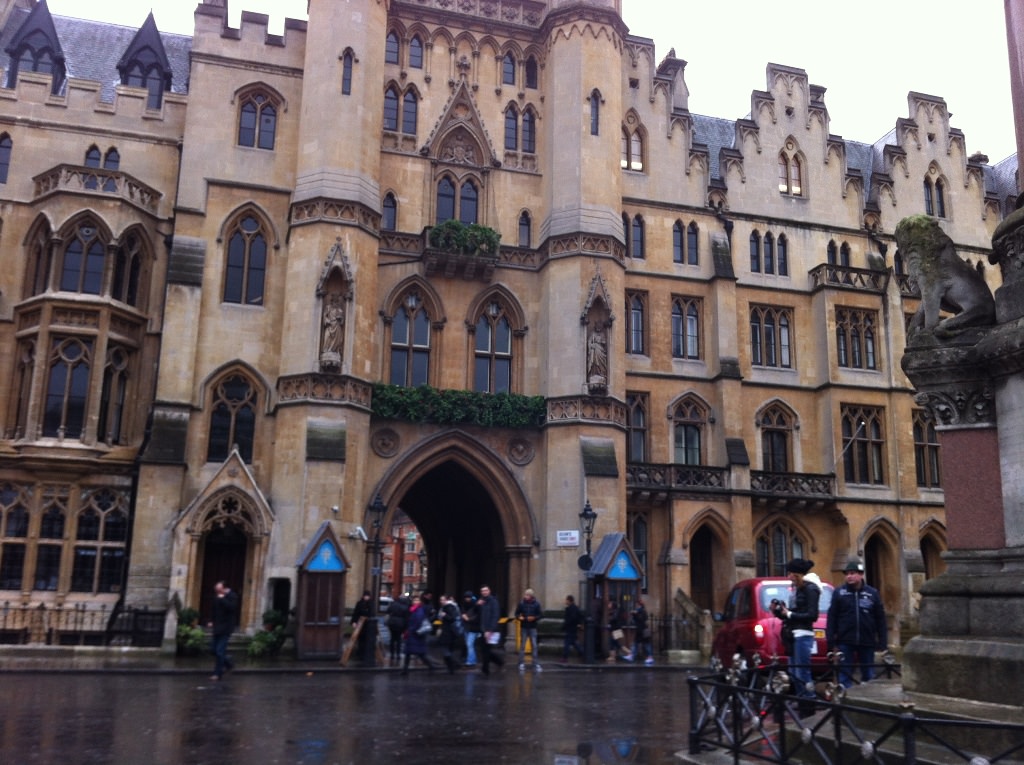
pixel 190 637
pixel 456 237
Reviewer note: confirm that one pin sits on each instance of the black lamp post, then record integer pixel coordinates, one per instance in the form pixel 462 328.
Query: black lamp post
pixel 587 520
pixel 377 510
pixel 422 555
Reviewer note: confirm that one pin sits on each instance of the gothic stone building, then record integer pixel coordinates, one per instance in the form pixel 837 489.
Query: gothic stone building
pixel 220 302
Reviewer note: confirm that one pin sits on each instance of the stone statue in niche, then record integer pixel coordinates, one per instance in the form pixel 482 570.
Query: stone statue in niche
pixel 597 357
pixel 945 281
pixel 333 331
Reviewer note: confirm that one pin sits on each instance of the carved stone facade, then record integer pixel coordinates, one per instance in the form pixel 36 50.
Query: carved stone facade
pixel 711 309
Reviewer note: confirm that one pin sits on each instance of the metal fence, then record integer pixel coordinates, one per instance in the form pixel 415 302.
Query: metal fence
pixel 752 715
pixel 80 624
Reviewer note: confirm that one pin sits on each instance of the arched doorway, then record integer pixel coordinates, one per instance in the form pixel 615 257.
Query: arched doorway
pixel 461 531
pixel 470 510
pixel 224 549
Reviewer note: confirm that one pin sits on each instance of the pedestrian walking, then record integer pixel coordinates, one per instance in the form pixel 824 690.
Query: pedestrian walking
pixel 397 623
pixel 799 617
pixel 643 633
pixel 528 613
pixel 616 635
pixel 361 610
pixel 225 617
pixel 420 628
pixel 471 623
pixel 490 614
pixel 572 620
pixel 856 624
pixel 452 631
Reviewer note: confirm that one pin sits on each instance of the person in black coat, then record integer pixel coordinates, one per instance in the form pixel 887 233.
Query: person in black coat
pixel 398 622
pixel 490 614
pixel 451 631
pixel 856 624
pixel 800 616
pixel 225 617
pixel 572 619
pixel 471 625
pixel 362 611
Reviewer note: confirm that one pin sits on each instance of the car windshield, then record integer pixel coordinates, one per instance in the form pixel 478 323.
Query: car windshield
pixel 783 591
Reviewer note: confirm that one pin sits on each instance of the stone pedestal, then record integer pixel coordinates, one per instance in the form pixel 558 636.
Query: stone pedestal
pixel 971 644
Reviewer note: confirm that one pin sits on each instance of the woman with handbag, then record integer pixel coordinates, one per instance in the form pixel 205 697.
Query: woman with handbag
pixel 420 628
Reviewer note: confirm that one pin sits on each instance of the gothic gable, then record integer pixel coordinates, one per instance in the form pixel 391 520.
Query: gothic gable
pixel 459 137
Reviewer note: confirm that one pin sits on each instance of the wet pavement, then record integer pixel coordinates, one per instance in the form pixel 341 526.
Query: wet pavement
pixel 563 716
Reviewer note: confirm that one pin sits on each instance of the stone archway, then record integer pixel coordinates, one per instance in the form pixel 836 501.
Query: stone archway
pixel 475 520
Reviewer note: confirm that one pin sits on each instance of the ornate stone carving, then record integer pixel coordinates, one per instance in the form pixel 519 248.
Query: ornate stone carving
pixel 385 442
pixel 520 451
pixel 960 406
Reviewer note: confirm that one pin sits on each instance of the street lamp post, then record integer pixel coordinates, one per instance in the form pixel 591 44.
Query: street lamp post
pixel 587 520
pixel 377 510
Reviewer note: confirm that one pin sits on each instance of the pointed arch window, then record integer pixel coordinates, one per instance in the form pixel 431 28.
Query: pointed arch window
pixel 346 73
pixel 508 69
pixel 755 252
pixel 776 425
pixel 855 338
pixel 391 109
pixel 777 544
pixel 246 266
pixel 790 174
pixel 389 217
pixel 150 76
pixel 637 233
pixel 93 157
pixel 678 242
pixel 782 255
pixel 636 330
pixel 445 200
pixel 67 389
pixel 391 48
pixel 6 148
pixel 127 270
pixel 232 419
pixel 770 340
pixel 113 395
pixel 468 202
pixel 632 150
pixel 595 113
pixel 525 229
pixel 257 121
pixel 926 450
pixel 689 419
pixel 529 132
pixel 410 106
pixel 692 255
pixel 769 253
pixel 863 446
pixel 686 327
pixel 84 260
pixel 935 197
pixel 100 536
pixel 37 53
pixel 415 53
pixel 530 70
pixel 832 253
pixel 511 129
pixel 637 405
pixel 410 343
pixel 492 359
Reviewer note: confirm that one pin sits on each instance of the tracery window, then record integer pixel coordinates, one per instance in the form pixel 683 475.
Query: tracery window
pixel 36 53
pixel 790 174
pixel 935 197
pixel 926 450
pixel 67 390
pixel 102 530
pixel 637 405
pixel 492 358
pixel 689 419
pixel 246 263
pixel 776 423
pixel 257 121
pixel 686 327
pixel 232 418
pixel 632 150
pixel 148 75
pixel 770 339
pixel 777 544
pixel 863 444
pixel 855 338
pixel 410 343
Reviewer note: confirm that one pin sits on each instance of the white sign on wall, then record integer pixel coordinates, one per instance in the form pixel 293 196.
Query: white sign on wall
pixel 569 538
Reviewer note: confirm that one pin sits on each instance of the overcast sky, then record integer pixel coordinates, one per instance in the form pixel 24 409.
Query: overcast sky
pixel 868 55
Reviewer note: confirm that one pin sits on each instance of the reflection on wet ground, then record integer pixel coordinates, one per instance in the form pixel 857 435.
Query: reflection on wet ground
pixel 327 718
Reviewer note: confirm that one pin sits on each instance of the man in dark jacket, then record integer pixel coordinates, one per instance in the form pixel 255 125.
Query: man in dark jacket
pixel 490 613
pixel 571 622
pixel 225 617
pixel 471 623
pixel 528 614
pixel 856 624
pixel 398 621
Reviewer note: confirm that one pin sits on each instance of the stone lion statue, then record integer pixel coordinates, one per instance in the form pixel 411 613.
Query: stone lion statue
pixel 946 282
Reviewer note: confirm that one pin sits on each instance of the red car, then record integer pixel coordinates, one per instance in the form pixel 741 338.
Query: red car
pixel 750 629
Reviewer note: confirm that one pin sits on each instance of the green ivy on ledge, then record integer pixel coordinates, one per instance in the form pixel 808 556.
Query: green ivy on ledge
pixel 469 239
pixel 455 407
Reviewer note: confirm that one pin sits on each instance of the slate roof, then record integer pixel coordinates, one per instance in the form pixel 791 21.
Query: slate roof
pixel 92 50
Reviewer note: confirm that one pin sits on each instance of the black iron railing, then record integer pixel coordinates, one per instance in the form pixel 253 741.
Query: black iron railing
pixel 753 715
pixel 80 624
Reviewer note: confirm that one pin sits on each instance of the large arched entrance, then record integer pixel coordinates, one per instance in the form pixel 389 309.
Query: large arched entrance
pixel 461 531
pixel 473 517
